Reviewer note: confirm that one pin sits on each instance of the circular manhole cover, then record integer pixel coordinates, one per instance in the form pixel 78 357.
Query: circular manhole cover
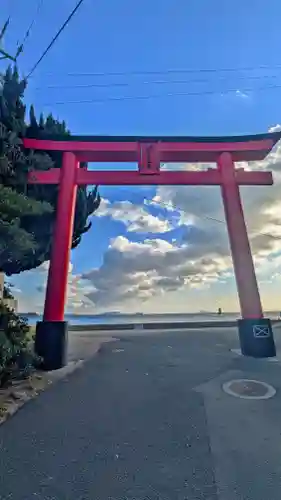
pixel 249 389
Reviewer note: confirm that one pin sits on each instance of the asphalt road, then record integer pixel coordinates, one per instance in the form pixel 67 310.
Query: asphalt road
pixel 146 419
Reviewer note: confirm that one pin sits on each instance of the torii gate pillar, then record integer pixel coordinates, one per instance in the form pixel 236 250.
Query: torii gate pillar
pixel 53 327
pixel 255 331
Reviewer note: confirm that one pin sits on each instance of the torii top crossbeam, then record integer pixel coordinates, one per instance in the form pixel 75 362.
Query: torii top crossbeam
pixel 149 152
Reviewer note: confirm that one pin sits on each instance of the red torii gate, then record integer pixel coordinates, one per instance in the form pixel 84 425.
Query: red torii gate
pixel 255 331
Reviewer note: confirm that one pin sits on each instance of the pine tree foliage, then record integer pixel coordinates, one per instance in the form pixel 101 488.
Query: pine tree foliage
pixel 27 212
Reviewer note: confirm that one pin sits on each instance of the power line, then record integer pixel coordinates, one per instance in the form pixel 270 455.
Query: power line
pixel 146 82
pixel 179 209
pixel 55 37
pixel 174 70
pixel 169 94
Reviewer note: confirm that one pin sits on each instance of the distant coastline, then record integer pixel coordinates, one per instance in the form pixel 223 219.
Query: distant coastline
pixel 117 313
pixel 138 314
pixel 128 318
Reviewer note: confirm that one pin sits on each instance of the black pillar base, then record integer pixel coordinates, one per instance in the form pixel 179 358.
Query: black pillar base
pixel 256 338
pixel 51 343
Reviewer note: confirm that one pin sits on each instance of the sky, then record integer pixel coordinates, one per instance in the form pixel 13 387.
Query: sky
pixel 158 68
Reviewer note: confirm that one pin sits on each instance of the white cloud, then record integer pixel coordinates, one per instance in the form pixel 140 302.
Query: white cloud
pixel 139 271
pixel 76 291
pixel 275 128
pixel 240 93
pixel 135 217
pixel 202 206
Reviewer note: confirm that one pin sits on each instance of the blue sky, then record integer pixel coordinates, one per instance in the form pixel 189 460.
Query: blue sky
pixel 156 38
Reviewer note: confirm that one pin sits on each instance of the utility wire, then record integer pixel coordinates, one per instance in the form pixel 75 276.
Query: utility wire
pixel 171 205
pixel 173 70
pixel 179 209
pixel 146 82
pixel 73 12
pixel 169 94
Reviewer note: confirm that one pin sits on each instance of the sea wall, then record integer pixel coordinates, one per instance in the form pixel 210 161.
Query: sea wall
pixel 156 326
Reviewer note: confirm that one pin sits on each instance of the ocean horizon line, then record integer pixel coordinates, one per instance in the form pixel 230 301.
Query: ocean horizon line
pixel 33 313
pixel 30 313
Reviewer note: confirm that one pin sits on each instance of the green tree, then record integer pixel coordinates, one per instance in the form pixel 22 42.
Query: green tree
pixel 16 357
pixel 15 241
pixel 28 211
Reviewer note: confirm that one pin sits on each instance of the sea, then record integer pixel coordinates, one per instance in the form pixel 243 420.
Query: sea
pixel 115 318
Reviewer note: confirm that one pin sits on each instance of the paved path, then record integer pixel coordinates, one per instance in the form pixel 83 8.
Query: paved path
pixel 147 419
